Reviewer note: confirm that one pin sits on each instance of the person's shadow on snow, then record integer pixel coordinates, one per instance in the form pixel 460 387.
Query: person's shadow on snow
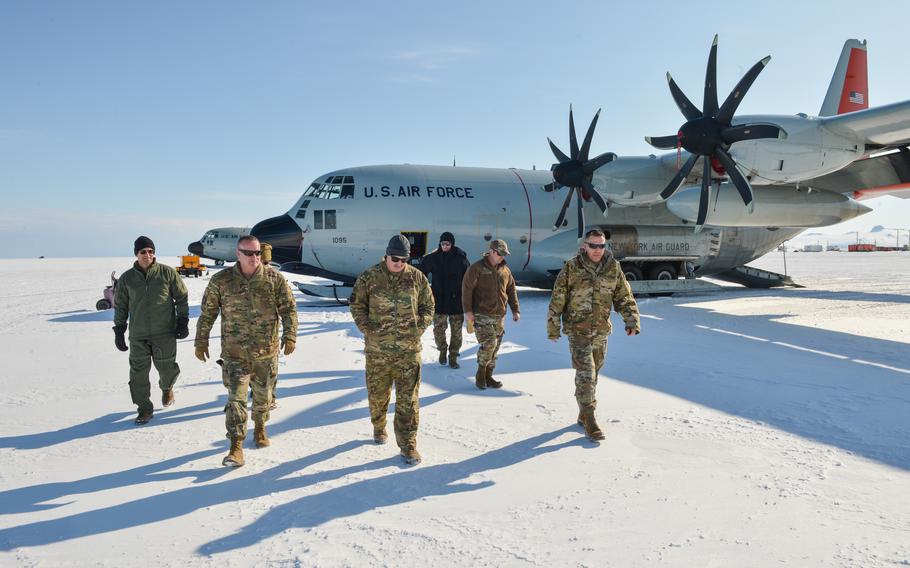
pixel 389 490
pixel 392 489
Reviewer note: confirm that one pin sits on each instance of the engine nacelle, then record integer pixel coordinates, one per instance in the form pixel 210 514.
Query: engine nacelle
pixel 774 207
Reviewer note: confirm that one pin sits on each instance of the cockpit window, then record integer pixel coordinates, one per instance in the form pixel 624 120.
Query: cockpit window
pixel 334 187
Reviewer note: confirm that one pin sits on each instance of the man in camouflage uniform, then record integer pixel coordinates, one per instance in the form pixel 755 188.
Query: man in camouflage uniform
pixel 251 298
pixel 153 298
pixel 447 266
pixel 392 306
pixel 585 290
pixel 487 286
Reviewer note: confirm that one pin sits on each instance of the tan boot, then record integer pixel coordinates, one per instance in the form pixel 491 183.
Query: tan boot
pixel 442 357
pixel 380 436
pixel 167 397
pixel 235 456
pixel 411 456
pixel 491 382
pixel 481 378
pixel 592 430
pixel 581 421
pixel 453 361
pixel 259 435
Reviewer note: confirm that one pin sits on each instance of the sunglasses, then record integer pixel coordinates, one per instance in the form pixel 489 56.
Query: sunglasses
pixel 147 251
pixel 596 246
pixel 445 244
pixel 250 252
pixel 398 258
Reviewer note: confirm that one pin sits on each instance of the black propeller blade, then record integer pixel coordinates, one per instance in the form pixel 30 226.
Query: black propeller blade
pixel 709 133
pixel 576 172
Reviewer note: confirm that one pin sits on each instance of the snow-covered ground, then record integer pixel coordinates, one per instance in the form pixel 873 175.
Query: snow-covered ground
pixel 746 428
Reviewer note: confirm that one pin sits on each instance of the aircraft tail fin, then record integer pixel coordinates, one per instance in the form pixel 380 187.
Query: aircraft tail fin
pixel 849 88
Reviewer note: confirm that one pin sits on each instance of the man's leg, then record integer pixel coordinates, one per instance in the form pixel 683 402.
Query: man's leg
pixel 582 351
pixel 164 356
pixel 236 376
pixel 439 334
pixel 261 382
pixel 456 322
pixel 493 333
pixel 379 376
pixel 487 336
pixel 407 403
pixel 140 365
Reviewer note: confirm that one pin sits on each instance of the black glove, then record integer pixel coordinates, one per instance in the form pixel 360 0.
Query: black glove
pixel 182 327
pixel 120 337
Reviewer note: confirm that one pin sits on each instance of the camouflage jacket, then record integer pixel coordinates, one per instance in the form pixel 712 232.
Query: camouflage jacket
pixel 486 290
pixel 583 295
pixel 151 300
pixel 250 310
pixel 392 309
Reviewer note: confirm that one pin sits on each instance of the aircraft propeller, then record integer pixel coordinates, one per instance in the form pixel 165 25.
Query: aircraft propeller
pixel 709 133
pixel 575 171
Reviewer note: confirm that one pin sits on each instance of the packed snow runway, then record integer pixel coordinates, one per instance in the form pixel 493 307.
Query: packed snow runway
pixel 744 428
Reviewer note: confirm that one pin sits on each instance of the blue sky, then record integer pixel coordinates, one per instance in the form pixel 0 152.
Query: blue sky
pixel 169 118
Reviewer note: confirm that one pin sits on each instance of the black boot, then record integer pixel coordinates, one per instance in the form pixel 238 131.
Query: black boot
pixel 453 361
pixel 442 357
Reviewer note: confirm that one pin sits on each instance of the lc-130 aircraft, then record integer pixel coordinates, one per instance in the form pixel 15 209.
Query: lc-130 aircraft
pixel 733 188
pixel 219 244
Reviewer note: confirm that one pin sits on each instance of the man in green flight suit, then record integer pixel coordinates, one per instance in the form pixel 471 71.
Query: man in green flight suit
pixel 251 299
pixel 587 287
pixel 392 306
pixel 154 300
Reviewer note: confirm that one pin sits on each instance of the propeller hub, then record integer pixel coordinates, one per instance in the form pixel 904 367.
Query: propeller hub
pixel 570 174
pixel 701 136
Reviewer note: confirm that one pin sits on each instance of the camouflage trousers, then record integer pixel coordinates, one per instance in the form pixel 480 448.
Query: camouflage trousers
pixel 239 376
pixel 489 332
pixel 404 372
pixel 440 323
pixel 160 350
pixel 587 358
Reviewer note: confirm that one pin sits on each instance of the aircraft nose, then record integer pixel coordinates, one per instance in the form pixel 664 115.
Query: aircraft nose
pixel 283 234
pixel 195 248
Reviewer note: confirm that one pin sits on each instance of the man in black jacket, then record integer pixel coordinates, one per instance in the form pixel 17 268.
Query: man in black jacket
pixel 447 265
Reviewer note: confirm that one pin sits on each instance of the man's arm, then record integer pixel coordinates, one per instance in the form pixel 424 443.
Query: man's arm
pixel 180 295
pixel 557 304
pixel 121 304
pixel 625 305
pixel 426 305
pixel 287 309
pixel 513 297
pixel 468 283
pixel 360 304
pixel 211 305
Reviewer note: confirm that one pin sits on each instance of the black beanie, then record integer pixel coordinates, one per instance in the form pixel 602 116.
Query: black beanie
pixel 143 242
pixel 447 236
pixel 399 246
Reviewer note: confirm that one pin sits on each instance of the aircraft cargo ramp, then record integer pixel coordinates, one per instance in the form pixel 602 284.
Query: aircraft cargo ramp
pixel 756 278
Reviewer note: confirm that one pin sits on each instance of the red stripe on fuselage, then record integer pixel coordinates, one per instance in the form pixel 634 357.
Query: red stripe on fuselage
pixel 530 220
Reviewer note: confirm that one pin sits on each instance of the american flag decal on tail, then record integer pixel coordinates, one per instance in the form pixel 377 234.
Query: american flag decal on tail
pixel 857 97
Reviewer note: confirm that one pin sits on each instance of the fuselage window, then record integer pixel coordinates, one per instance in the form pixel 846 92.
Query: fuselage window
pixel 330 219
pixel 347 191
pixel 301 213
pixel 317 219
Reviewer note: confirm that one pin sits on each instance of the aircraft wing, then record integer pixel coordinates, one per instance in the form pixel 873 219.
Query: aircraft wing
pixel 881 127
pixel 884 174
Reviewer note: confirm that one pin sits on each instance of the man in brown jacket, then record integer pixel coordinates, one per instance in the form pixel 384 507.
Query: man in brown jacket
pixel 487 286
